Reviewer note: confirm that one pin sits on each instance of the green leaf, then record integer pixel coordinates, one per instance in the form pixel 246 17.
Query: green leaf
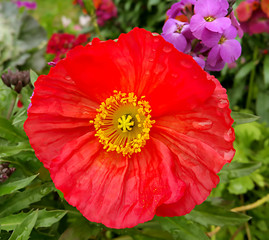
pixel 23 231
pixel 262 106
pixel 81 229
pixel 240 185
pixel 245 70
pixel 45 219
pixel 266 71
pixel 6 151
pixel 241 118
pixel 10 187
pixel 10 132
pixel 236 170
pixel 10 222
pixel 182 229
pixel 208 214
pixel 22 200
pixel 33 76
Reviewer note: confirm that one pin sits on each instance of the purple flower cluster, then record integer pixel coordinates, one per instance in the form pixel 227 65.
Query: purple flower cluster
pixel 27 4
pixel 205 30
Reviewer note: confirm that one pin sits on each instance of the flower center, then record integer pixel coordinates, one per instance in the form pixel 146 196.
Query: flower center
pixel 179 28
pixel 222 40
pixel 123 123
pixel 209 19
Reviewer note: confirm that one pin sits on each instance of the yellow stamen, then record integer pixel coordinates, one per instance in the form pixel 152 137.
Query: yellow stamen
pixel 222 40
pixel 209 19
pixel 123 123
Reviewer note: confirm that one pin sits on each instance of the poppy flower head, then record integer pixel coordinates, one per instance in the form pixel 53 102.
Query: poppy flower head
pixel 131 128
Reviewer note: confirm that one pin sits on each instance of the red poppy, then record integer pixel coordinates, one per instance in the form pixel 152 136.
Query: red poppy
pixel 131 128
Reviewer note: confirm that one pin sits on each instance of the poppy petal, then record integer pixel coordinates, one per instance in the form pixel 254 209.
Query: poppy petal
pixel 58 114
pixel 202 142
pixel 144 64
pixel 102 184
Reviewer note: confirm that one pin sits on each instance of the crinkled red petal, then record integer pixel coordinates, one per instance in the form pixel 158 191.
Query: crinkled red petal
pixel 201 142
pixel 141 63
pixel 59 113
pixel 117 191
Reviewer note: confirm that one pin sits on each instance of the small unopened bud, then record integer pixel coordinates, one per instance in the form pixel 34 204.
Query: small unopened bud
pixel 18 86
pixel 18 79
pixel 5 171
pixel 6 80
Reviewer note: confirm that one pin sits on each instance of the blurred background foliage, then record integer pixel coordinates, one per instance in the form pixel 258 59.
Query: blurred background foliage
pixel 30 205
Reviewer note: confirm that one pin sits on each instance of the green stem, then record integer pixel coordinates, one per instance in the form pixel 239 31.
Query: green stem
pixel 89 5
pixel 11 107
pixel 251 80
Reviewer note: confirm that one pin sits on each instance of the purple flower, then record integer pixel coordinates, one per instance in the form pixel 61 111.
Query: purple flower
pixel 27 4
pixel 236 24
pixel 209 15
pixel 177 33
pixel 177 8
pixel 200 60
pixel 227 49
pixel 218 67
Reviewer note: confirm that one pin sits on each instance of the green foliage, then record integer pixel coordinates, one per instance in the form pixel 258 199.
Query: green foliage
pixel 182 229
pixel 22 39
pixel 23 230
pixel 207 214
pixel 11 186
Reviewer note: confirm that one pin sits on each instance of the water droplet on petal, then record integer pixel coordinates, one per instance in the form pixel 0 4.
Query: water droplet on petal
pixel 159 68
pixel 202 125
pixel 228 156
pixel 151 59
pixel 156 39
pixel 147 72
pixel 167 48
pixel 175 75
pixel 229 135
pixel 223 103
pixel 186 63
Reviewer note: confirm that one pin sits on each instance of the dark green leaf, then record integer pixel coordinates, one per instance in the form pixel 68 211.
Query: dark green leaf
pixel 47 218
pixel 6 151
pixel 262 106
pixel 10 222
pixel 10 187
pixel 266 71
pixel 23 199
pixel 10 132
pixel 23 231
pixel 208 214
pixel 182 229
pixel 241 118
pixel 236 170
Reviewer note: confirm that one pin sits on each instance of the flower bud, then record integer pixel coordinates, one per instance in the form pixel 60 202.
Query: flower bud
pixel 18 79
pixel 5 171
